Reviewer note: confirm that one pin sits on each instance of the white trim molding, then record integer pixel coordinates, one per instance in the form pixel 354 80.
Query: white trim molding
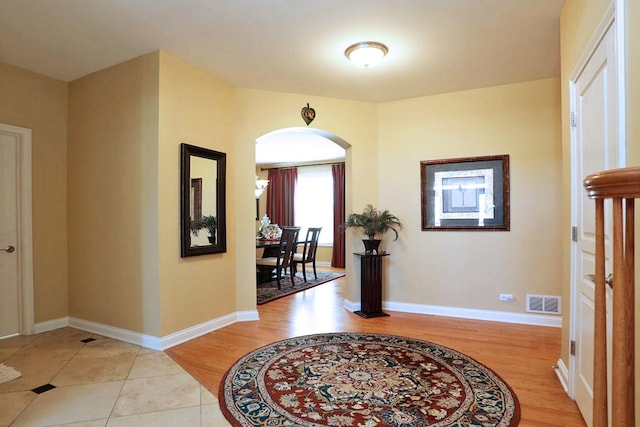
pixel 563 375
pixel 147 341
pixel 144 340
pixel 206 327
pixel 350 305
pixel 51 325
pixel 466 313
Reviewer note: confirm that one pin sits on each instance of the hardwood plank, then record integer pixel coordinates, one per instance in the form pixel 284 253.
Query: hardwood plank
pixel 522 355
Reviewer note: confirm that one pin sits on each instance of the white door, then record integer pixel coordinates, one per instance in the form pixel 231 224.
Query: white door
pixel 9 314
pixel 596 148
pixel 16 276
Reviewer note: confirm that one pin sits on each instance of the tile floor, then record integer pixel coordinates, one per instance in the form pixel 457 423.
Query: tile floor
pixel 98 382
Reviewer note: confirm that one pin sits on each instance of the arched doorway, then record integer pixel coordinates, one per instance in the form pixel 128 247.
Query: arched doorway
pixel 299 145
pixel 312 152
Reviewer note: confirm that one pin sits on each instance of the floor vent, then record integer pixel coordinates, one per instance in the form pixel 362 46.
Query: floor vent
pixel 543 304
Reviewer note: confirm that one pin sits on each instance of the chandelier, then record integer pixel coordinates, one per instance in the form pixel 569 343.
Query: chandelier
pixel 261 185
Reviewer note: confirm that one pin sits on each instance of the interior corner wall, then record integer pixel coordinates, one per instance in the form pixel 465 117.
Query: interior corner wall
pixel 198 109
pixel 469 269
pixel 39 103
pixel 113 196
pixel 578 23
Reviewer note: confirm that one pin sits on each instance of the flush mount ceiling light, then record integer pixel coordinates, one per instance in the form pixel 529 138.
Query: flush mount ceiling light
pixel 366 54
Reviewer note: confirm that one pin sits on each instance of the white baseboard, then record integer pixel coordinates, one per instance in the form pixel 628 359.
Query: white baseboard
pixel 206 327
pixel 247 316
pixel 149 341
pixel 350 305
pixel 144 340
pixel 563 375
pixel 466 313
pixel 160 344
pixel 51 325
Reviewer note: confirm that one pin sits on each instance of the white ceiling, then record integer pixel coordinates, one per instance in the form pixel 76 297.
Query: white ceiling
pixel 435 46
pixel 297 145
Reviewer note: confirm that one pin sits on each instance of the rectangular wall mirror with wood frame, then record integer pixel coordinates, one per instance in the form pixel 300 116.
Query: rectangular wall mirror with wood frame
pixel 202 201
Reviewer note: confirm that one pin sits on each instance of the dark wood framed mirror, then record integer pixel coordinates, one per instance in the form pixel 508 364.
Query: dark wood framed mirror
pixel 202 201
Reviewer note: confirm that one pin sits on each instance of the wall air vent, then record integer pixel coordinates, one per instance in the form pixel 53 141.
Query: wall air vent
pixel 544 304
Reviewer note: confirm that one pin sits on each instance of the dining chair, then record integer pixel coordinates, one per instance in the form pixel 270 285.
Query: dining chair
pixel 284 255
pixel 308 254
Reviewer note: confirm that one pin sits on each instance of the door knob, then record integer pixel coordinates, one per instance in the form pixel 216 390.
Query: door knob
pixel 9 249
pixel 608 280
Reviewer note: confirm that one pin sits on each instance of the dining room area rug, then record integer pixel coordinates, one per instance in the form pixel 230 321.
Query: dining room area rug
pixel 364 379
pixel 269 291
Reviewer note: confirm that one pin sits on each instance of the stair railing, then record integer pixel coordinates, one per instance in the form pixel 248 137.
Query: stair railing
pixel 623 187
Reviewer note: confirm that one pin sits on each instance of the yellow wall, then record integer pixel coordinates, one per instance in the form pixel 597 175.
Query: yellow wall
pixel 324 254
pixel 470 269
pixel 195 108
pixel 113 196
pixel 126 126
pixel 39 103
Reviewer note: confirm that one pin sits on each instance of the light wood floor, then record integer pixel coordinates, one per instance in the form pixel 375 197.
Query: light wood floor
pixel 522 355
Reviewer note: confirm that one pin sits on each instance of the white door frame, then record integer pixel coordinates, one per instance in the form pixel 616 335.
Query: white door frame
pixel 615 13
pixel 24 249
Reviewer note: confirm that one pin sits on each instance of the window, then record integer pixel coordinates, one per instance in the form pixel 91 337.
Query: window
pixel 314 201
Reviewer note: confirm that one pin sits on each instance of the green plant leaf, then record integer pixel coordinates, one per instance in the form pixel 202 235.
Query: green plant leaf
pixel 373 221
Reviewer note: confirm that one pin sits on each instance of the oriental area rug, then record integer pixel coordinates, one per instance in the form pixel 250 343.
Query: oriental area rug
pixel 364 380
pixel 269 291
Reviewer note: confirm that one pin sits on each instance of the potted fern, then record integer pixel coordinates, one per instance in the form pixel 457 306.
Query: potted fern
pixel 373 222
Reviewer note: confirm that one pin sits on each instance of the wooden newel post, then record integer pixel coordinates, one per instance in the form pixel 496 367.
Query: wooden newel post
pixel 623 187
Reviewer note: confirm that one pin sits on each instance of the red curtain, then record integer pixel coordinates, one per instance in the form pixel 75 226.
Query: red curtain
pixel 337 260
pixel 280 196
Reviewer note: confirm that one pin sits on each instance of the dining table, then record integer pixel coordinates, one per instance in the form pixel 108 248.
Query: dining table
pixel 269 245
pixel 265 243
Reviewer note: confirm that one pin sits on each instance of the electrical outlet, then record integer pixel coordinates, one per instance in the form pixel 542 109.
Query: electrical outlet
pixel 506 297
